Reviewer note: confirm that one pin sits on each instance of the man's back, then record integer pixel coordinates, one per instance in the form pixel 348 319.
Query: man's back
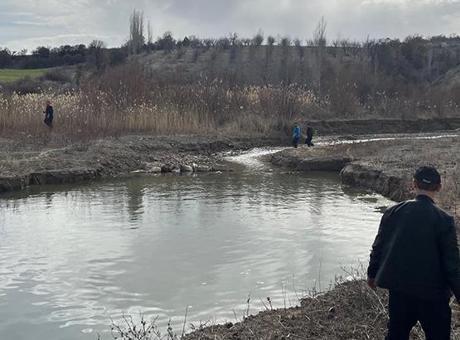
pixel 415 256
pixel 416 251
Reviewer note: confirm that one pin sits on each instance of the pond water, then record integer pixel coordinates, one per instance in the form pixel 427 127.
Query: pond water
pixel 74 257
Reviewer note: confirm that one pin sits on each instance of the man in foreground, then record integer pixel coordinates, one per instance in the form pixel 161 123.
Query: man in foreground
pixel 416 257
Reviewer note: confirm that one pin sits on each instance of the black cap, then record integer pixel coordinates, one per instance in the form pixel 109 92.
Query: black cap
pixel 428 175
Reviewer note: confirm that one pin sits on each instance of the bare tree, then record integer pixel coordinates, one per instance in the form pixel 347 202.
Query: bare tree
pixel 285 42
pixel 320 42
pixel 271 40
pixel 299 47
pixel 268 58
pixel 136 28
pixel 258 39
pixel 97 54
pixel 149 34
pixel 319 35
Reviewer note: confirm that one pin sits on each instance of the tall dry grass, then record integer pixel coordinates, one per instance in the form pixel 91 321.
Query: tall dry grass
pixel 128 100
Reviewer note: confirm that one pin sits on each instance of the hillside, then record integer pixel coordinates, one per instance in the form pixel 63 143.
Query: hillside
pixel 416 62
pixel 235 89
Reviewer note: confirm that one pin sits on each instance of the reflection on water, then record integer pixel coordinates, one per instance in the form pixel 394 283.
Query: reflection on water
pixel 71 258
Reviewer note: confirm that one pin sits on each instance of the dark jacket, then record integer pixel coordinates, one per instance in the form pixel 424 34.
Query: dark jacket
pixel 49 112
pixel 416 252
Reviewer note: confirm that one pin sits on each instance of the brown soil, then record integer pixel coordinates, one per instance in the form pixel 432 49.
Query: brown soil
pixel 24 164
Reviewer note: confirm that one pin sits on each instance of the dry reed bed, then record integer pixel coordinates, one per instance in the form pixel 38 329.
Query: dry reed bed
pixel 80 115
pixel 130 99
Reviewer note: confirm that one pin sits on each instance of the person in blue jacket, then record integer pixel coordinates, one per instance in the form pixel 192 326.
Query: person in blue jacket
pixel 296 135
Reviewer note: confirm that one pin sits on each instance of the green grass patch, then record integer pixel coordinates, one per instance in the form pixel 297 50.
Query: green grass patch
pixel 12 75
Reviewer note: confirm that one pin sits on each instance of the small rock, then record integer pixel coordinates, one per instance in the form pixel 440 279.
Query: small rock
pixel 154 170
pixel 186 168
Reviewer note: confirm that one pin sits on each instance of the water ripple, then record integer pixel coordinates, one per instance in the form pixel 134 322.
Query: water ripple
pixel 73 258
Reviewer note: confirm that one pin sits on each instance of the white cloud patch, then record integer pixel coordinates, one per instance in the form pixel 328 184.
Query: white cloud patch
pixel 29 23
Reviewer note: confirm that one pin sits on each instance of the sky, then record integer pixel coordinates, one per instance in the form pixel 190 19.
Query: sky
pixel 26 24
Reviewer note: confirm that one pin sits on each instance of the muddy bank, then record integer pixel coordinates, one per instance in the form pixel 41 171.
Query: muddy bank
pixel 378 126
pixel 22 165
pixel 350 311
pixel 333 315
pixel 25 163
pixel 397 187
pixel 353 173
pixel 383 166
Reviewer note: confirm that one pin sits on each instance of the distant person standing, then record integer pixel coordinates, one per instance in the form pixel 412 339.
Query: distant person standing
pixel 49 114
pixel 309 139
pixel 416 257
pixel 296 135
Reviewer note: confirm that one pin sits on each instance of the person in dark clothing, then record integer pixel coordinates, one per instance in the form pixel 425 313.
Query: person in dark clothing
pixel 49 114
pixel 296 135
pixel 416 257
pixel 309 138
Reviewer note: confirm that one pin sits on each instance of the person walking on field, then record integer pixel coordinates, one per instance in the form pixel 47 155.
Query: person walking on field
pixel 296 135
pixel 416 257
pixel 309 138
pixel 49 114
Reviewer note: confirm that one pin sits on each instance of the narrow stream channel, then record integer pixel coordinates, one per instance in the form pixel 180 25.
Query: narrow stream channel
pixel 73 257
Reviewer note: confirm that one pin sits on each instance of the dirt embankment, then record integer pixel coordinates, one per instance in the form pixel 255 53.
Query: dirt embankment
pixel 383 166
pixel 27 163
pixel 350 311
pixel 22 165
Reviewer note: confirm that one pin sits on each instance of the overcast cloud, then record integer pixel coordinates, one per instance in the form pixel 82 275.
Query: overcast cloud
pixel 30 23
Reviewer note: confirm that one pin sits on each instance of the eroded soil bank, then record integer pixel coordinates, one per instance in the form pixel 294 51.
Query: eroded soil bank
pixel 384 165
pixel 24 164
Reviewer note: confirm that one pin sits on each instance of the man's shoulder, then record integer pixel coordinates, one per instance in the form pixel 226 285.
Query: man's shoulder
pixel 397 207
pixel 444 214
